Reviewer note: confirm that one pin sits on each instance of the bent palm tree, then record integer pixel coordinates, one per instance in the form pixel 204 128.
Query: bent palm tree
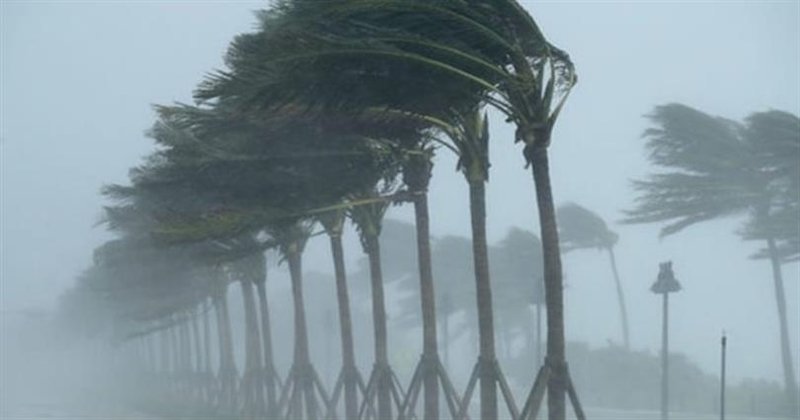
pixel 349 377
pixel 368 219
pixel 580 228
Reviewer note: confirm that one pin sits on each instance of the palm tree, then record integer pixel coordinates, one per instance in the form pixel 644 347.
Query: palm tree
pixel 717 167
pixel 303 379
pixel 580 228
pixel 247 271
pixel 368 219
pixel 451 254
pixel 519 257
pixel 270 376
pixel 349 378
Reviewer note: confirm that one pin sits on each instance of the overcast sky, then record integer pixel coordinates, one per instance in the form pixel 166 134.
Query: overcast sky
pixel 79 78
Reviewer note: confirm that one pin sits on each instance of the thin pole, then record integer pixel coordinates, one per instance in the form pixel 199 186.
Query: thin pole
pixel 665 359
pixel 722 379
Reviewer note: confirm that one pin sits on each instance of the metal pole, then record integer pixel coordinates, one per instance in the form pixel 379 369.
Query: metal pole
pixel 665 359
pixel 722 380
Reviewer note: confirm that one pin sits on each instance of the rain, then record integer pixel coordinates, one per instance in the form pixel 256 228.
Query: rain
pixel 392 209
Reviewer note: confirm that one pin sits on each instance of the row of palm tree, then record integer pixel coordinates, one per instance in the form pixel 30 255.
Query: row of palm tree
pixel 322 112
pixel 331 111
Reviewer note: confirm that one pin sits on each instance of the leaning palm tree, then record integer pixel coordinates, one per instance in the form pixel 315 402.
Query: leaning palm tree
pixel 349 379
pixel 519 257
pixel 580 228
pixel 302 383
pixel 248 272
pixel 715 168
pixel 368 220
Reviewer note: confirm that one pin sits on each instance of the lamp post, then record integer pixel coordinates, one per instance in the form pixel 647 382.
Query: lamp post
pixel 723 345
pixel 664 285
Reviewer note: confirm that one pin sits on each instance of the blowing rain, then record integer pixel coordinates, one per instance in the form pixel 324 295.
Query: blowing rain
pixel 399 209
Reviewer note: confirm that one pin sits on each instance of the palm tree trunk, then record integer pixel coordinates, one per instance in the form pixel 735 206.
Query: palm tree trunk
pixel 207 383
pixel 790 385
pixel 197 385
pixel 254 397
pixel 554 293
pixel 346 328
pixel 538 335
pixel 428 303
pixel 623 311
pixel 186 355
pixel 164 341
pixel 198 353
pixel 301 351
pixel 480 257
pixel 379 326
pixel 187 345
pixel 227 365
pixel 266 335
pixel 151 355
pixel 176 352
pixel 302 360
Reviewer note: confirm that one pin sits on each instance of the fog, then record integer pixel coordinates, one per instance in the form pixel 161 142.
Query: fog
pixel 79 80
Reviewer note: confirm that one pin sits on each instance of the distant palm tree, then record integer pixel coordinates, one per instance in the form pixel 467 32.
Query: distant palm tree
pixel 519 262
pixel 248 272
pixel 580 228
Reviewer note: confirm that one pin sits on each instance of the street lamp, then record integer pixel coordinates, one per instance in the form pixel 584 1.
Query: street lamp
pixel 664 285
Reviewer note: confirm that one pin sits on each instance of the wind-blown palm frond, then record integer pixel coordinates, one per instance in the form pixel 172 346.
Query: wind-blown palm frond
pixel 710 174
pixel 581 228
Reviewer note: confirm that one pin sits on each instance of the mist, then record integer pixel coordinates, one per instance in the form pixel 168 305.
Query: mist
pixel 79 84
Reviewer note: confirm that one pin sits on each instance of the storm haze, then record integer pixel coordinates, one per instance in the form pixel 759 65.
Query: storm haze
pixel 79 81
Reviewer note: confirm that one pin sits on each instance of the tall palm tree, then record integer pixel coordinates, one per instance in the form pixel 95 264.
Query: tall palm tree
pixel 368 219
pixel 580 228
pixel 303 381
pixel 270 376
pixel 246 271
pixel 717 167
pixel 349 377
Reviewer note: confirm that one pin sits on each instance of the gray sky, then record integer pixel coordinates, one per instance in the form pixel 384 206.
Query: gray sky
pixel 78 79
